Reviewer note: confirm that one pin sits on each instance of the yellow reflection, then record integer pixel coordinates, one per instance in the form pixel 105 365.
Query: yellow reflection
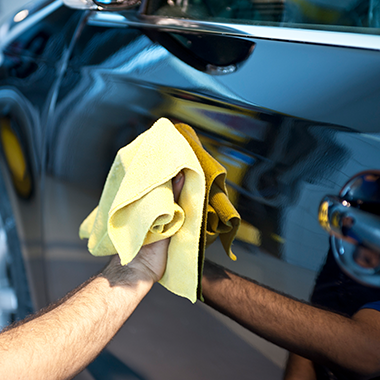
pixel 323 216
pixel 22 15
pixel 15 158
pixel 249 234
pixel 277 238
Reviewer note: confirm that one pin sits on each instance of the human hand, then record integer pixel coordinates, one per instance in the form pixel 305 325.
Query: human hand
pixel 150 263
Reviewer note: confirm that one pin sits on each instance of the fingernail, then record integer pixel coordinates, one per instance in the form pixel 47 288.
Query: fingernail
pixel 178 177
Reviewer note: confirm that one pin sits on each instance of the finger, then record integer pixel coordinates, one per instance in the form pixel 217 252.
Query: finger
pixel 178 182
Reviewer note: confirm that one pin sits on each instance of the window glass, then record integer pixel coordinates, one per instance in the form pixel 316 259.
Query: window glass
pixel 359 16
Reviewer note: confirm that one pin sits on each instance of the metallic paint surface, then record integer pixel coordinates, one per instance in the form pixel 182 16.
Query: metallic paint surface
pixel 293 123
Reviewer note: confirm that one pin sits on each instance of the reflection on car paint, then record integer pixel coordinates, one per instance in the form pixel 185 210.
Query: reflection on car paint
pixel 263 122
pixel 15 158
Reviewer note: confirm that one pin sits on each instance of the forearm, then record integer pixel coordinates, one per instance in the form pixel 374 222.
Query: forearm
pixel 60 343
pixel 299 368
pixel 319 335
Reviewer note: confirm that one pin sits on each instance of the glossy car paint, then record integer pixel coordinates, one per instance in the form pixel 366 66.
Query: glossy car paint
pixel 294 121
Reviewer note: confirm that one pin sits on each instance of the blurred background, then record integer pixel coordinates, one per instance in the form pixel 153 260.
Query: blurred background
pixel 8 7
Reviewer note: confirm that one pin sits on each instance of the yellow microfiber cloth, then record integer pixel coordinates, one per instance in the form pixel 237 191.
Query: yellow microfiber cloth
pixel 220 218
pixel 137 206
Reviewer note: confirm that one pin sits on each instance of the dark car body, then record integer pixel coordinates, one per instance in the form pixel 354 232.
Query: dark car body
pixel 292 112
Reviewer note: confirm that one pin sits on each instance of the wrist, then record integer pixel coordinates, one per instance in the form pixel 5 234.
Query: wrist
pixel 127 275
pixel 213 272
pixel 123 294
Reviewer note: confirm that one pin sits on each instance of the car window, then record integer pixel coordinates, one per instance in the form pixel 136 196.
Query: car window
pixel 360 16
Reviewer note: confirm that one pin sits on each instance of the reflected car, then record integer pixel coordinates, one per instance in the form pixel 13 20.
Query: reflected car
pixel 284 94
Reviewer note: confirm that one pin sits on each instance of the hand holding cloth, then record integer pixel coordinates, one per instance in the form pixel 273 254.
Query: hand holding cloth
pixel 137 205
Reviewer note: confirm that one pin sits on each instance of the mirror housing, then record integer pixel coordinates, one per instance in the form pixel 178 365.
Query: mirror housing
pixel 353 221
pixel 102 4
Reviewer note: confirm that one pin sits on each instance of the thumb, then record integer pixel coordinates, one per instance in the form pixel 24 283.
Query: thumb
pixel 178 182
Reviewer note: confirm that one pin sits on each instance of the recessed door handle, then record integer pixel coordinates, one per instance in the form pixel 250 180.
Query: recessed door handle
pixel 211 53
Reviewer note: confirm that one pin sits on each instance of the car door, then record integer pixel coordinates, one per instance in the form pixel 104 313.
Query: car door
pixel 283 94
pixel 34 44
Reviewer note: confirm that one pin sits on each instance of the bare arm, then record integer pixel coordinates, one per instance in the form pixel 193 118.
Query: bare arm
pixel 349 345
pixel 63 340
pixel 299 368
pixel 60 343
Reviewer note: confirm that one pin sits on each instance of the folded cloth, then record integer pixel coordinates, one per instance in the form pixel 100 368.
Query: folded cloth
pixel 220 218
pixel 137 206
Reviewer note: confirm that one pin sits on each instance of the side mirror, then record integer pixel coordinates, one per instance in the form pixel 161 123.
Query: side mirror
pixel 353 220
pixel 102 4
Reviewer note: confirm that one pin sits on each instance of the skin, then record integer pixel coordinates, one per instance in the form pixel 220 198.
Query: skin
pixel 63 339
pixel 60 341
pixel 347 345
pixel 299 368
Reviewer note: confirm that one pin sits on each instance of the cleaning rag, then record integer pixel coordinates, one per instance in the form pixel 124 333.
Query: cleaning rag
pixel 220 218
pixel 137 206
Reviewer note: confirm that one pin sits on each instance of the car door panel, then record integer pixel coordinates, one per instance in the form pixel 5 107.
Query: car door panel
pixel 291 120
pixel 32 53
pixel 281 159
pixel 84 136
